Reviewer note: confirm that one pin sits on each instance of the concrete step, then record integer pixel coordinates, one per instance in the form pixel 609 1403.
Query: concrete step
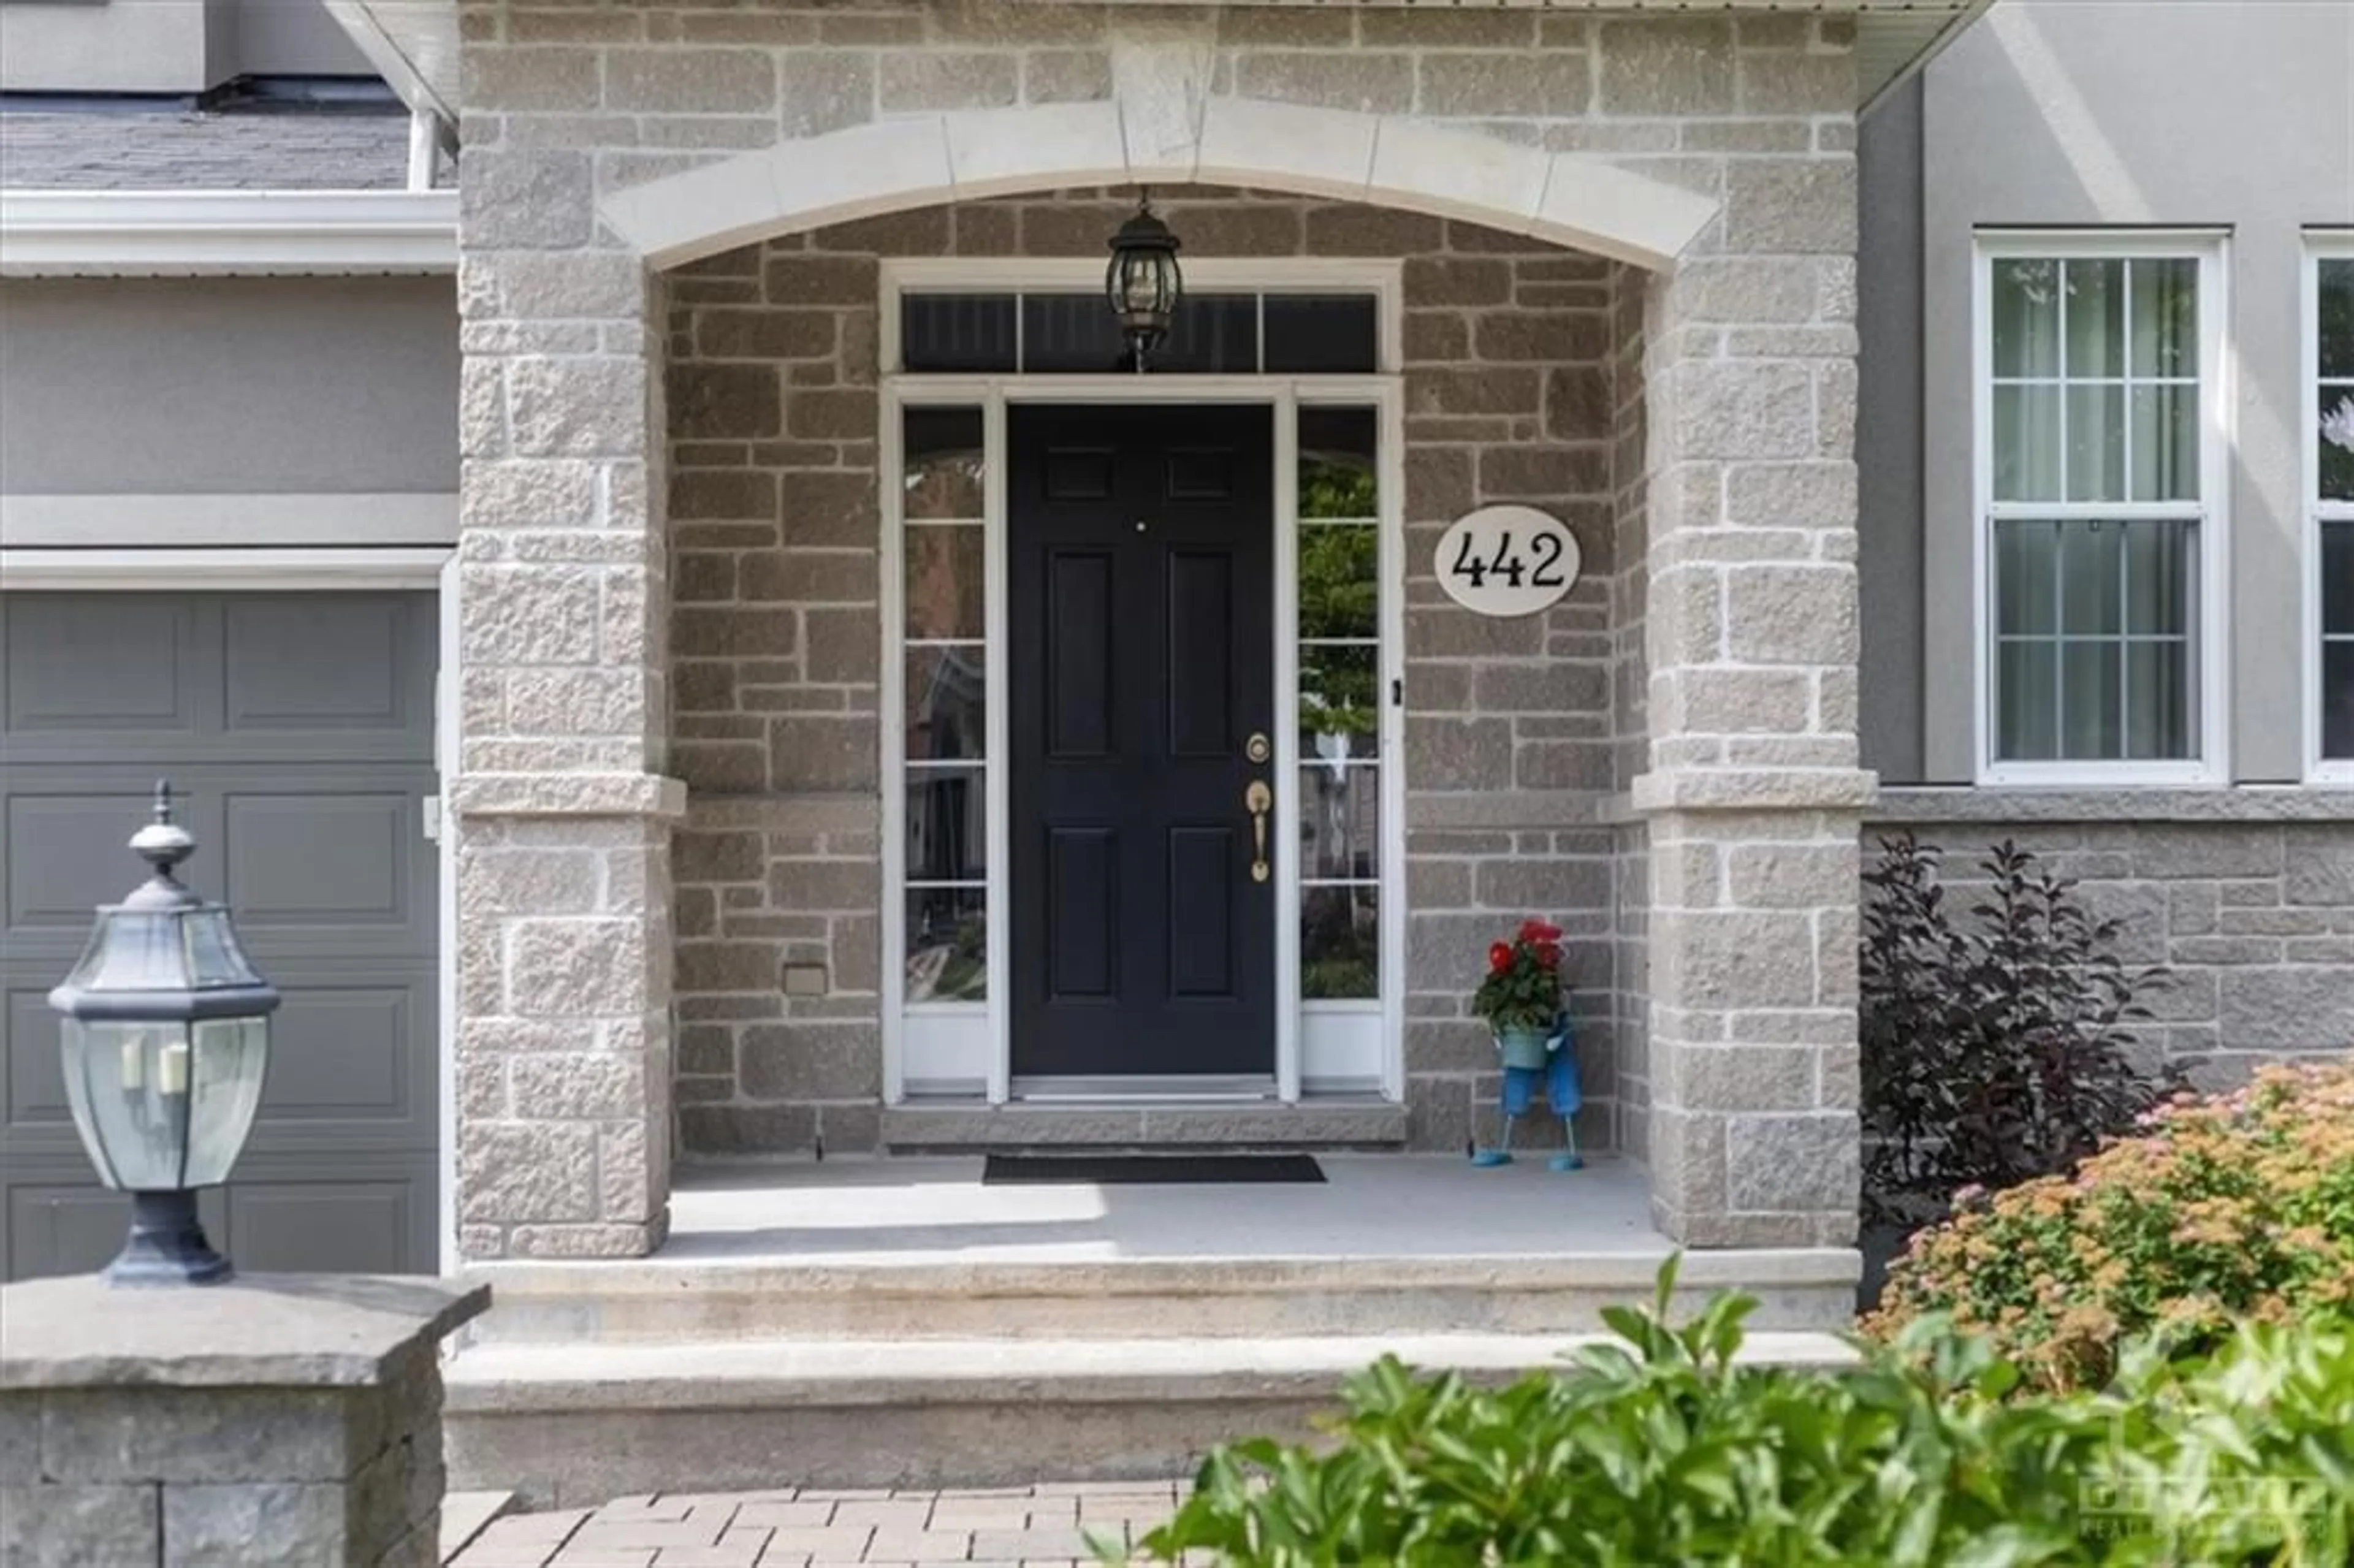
pixel 565 1426
pixel 1356 1123
pixel 702 1300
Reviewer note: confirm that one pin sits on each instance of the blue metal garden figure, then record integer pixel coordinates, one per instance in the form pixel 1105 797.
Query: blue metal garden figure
pixel 1520 1001
pixel 1561 1092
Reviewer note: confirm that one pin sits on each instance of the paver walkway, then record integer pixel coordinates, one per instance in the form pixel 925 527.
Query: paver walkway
pixel 1032 1527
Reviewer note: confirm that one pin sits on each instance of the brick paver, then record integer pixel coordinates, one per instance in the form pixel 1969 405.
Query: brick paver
pixel 1035 1526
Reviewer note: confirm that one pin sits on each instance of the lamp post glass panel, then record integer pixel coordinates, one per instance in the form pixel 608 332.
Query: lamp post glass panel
pixel 1144 283
pixel 164 1035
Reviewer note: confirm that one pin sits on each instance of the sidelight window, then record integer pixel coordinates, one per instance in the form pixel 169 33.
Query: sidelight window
pixel 1339 715
pixel 945 697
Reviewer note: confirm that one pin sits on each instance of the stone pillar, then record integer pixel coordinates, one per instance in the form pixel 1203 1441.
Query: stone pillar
pixel 1753 797
pixel 561 810
pixel 276 1418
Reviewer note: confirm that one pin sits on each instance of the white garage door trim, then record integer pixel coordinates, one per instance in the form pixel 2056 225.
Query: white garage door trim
pixel 214 520
pixel 185 571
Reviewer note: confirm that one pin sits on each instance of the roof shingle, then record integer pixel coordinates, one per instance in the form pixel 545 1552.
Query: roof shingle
pixel 179 149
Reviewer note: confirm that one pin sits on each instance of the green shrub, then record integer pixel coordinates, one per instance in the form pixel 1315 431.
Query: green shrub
pixel 1661 1450
pixel 2237 1206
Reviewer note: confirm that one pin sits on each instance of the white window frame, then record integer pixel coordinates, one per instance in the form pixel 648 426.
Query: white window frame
pixel 1322 1047
pixel 2320 245
pixel 2210 249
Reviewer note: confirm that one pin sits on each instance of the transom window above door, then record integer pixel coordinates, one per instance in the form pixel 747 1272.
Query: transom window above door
pixel 2098 465
pixel 1060 333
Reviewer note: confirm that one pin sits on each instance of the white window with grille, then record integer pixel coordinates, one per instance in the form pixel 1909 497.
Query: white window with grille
pixel 2326 375
pixel 2101 439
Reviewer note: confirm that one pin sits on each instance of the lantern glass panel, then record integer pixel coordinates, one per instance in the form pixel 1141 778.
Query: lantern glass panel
pixel 214 956
pixel 128 1084
pixel 225 1068
pixel 1143 288
pixel 133 949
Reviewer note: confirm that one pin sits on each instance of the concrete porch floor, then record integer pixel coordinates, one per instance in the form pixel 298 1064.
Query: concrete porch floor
pixel 849 1213
pixel 920 1249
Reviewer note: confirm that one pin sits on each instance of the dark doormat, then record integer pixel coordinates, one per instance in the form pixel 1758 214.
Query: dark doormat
pixel 1147 1169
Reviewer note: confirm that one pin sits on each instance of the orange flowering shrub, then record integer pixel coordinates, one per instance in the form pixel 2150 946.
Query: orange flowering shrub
pixel 2240 1206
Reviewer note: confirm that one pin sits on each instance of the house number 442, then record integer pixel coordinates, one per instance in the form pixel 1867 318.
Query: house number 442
pixel 1507 560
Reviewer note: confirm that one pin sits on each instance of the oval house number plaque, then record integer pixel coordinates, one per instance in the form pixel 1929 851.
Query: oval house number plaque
pixel 1507 560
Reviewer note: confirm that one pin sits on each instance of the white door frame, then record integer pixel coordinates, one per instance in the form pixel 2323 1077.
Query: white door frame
pixel 957 1048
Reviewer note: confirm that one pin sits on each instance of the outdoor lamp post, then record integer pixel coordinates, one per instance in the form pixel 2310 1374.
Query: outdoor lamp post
pixel 1144 283
pixel 166 1033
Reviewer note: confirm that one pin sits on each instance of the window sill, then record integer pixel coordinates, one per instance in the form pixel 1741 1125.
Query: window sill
pixel 2112 803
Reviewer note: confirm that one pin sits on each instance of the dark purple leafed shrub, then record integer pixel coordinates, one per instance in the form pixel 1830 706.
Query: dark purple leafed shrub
pixel 1996 1041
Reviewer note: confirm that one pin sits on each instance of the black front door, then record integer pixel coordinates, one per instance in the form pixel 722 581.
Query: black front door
pixel 1140 602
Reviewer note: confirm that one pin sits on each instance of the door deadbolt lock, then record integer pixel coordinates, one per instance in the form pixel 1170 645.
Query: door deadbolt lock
pixel 1257 800
pixel 1257 749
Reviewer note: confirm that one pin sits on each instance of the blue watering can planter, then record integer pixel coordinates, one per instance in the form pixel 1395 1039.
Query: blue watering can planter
pixel 1532 1056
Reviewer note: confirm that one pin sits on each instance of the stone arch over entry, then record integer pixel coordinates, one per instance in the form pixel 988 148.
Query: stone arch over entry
pixel 1384 160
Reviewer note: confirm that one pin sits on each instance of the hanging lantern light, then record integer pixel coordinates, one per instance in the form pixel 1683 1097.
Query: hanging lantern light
pixel 166 1033
pixel 1144 283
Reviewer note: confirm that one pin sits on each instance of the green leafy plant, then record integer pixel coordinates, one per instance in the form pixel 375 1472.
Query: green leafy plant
pixel 1522 988
pixel 1995 1041
pixel 2232 1207
pixel 1338 573
pixel 1664 1447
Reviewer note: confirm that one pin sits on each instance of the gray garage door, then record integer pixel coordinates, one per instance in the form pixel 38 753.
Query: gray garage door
pixel 299 728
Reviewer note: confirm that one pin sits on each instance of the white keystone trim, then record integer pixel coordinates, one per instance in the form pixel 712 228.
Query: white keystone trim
pixel 209 520
pixel 1386 160
pixel 183 233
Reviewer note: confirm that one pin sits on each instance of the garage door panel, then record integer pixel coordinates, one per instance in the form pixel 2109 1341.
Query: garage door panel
pixel 302 663
pixel 66 855
pixel 36 1079
pixel 311 1225
pixel 305 859
pixel 338 866
pixel 57 1223
pixel 349 1050
pixel 82 665
pixel 235 680
pixel 352 1066
pixel 301 758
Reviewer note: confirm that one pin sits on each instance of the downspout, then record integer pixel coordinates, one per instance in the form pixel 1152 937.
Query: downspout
pixel 424 148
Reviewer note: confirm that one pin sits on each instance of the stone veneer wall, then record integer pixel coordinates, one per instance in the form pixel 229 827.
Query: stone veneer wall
pixel 2252 920
pixel 1630 697
pixel 776 635
pixel 289 1419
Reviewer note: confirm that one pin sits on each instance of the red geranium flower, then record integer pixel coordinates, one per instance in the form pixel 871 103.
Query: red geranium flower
pixel 1549 955
pixel 1539 931
pixel 1499 958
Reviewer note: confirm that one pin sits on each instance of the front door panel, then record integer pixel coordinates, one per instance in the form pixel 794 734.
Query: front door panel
pixel 1140 602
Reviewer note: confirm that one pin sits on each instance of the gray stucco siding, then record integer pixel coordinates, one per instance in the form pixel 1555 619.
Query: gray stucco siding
pixel 1888 434
pixel 233 385
pixel 2046 114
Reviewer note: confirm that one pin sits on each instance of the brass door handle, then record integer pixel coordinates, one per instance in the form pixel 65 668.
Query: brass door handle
pixel 1257 800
